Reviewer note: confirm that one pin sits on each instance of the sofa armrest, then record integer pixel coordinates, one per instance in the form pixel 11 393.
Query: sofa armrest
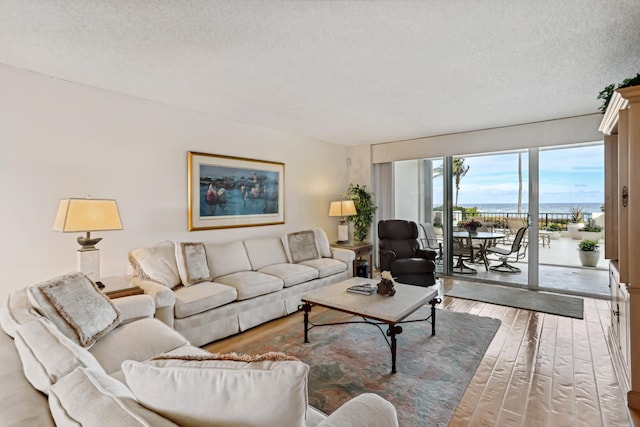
pixel 365 410
pixel 386 258
pixel 163 298
pixel 135 307
pixel 426 254
pixel 345 255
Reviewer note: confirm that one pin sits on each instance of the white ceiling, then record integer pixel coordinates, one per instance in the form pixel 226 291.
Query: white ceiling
pixel 347 72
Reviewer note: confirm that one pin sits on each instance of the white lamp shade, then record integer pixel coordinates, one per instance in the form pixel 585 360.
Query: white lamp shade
pixel 342 208
pixel 80 215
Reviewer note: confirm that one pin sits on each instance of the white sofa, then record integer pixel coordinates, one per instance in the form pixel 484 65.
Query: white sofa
pixel 208 291
pixel 50 378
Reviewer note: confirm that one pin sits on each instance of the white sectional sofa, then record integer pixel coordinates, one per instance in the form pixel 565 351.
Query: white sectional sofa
pixel 208 291
pixel 79 359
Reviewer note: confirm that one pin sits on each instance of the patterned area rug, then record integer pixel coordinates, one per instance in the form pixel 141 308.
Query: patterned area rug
pixel 432 371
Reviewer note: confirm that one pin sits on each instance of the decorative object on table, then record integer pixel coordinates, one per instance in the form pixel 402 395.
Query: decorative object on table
pixel 365 208
pixel 87 215
pixel 343 209
pixel 589 253
pixel 363 288
pixel 472 225
pixel 385 287
pixel 591 231
pixel 226 192
pixel 576 223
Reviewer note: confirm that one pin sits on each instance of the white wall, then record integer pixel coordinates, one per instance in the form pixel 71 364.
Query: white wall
pixel 60 140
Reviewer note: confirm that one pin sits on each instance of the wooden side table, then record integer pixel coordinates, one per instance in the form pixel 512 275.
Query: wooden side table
pixel 361 249
pixel 118 287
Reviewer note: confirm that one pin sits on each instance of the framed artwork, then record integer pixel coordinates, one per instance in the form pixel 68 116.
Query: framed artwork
pixel 226 192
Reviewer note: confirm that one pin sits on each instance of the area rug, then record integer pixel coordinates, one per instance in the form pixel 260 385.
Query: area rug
pixel 560 305
pixel 347 360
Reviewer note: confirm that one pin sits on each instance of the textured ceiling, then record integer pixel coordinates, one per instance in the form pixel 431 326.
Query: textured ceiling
pixel 348 72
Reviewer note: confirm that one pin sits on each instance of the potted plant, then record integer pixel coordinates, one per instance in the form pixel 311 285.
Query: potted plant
pixel 591 231
pixel 589 253
pixel 472 225
pixel 554 230
pixel 576 223
pixel 365 208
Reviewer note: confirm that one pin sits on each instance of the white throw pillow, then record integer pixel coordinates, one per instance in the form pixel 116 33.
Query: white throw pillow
pixel 221 392
pixel 323 243
pixel 191 258
pixel 156 263
pixel 89 398
pixel 76 306
pixel 47 355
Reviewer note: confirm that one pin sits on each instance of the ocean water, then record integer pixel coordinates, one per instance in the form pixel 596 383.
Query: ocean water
pixel 544 207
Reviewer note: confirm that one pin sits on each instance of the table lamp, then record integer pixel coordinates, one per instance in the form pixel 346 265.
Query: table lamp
pixel 87 215
pixel 343 208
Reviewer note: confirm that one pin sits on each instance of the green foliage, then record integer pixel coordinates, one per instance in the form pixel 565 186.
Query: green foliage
pixel 365 208
pixel 576 214
pixel 606 93
pixel 553 227
pixel 592 226
pixel 588 245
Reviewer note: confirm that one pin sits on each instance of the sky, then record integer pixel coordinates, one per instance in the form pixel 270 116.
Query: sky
pixel 567 175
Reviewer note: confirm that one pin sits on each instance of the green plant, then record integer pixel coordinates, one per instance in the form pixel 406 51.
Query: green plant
pixel 592 226
pixel 365 208
pixel 553 227
pixel 588 246
pixel 606 93
pixel 576 214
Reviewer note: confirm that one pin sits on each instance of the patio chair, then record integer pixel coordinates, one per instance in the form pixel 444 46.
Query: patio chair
pixel 464 249
pixel 400 253
pixel 514 253
pixel 430 240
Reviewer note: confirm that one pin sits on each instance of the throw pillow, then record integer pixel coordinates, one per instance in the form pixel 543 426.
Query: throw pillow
pixel 76 306
pixel 222 392
pixel 191 258
pixel 323 243
pixel 87 398
pixel 302 246
pixel 156 263
pixel 47 355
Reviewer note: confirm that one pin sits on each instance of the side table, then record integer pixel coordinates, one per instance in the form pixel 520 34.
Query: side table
pixel 118 287
pixel 361 249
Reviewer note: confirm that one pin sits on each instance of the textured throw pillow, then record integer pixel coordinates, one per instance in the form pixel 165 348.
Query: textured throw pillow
pixel 76 306
pixel 191 258
pixel 222 392
pixel 89 398
pixel 324 247
pixel 302 246
pixel 47 355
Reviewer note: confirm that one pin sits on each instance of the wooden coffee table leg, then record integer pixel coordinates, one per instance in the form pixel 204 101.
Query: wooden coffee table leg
pixel 306 307
pixel 392 332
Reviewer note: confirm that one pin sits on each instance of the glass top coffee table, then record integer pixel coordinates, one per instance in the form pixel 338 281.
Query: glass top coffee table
pixel 374 309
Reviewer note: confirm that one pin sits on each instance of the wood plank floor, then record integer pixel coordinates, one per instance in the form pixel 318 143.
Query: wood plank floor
pixel 540 369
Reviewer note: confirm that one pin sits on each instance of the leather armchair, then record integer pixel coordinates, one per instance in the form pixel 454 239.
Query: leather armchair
pixel 400 253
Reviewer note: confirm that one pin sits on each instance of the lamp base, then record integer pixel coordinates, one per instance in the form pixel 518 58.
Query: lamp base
pixel 343 233
pixel 89 263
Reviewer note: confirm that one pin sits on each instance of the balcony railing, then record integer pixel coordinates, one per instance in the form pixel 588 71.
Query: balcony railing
pixel 544 219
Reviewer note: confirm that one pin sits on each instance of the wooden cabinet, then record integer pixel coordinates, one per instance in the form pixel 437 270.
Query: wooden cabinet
pixel 621 126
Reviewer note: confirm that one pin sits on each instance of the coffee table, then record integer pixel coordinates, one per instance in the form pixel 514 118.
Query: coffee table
pixel 374 309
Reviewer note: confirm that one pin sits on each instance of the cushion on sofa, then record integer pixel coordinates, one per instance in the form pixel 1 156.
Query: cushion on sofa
pixel 87 398
pixel 264 252
pixel 156 263
pixel 191 258
pixel 222 392
pixel 202 297
pixel 322 241
pixel 326 266
pixel 47 355
pixel 291 274
pixel 301 246
pixel 16 310
pixel 227 258
pixel 76 306
pixel 250 284
pixel 138 340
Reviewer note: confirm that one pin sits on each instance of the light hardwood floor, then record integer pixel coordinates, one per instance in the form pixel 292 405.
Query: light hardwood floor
pixel 540 369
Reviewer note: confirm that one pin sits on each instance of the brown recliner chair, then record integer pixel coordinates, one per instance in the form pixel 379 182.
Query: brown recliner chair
pixel 400 253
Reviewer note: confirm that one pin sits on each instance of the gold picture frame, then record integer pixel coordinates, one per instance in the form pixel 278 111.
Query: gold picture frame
pixel 228 192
